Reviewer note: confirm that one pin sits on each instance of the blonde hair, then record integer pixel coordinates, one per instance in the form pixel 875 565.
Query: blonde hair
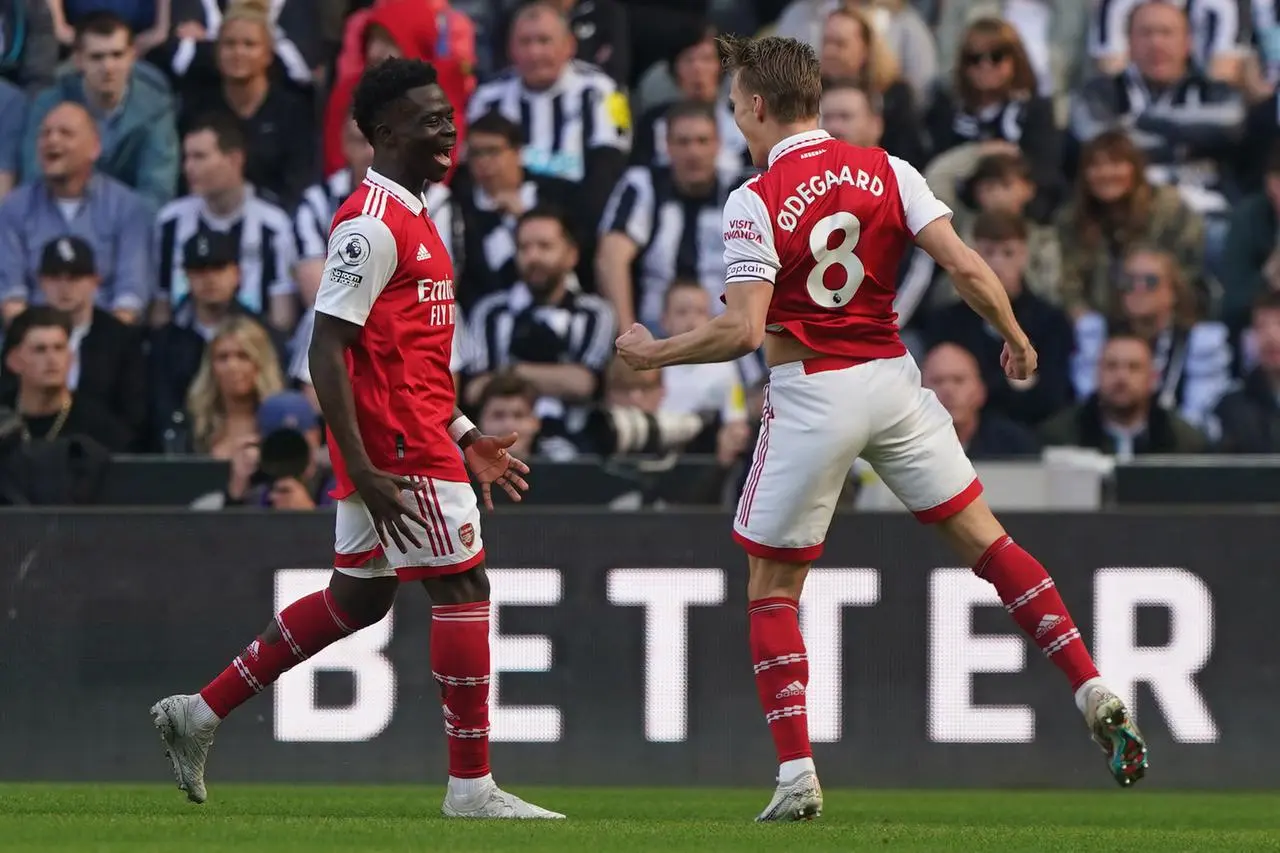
pixel 253 12
pixel 783 72
pixel 881 70
pixel 205 406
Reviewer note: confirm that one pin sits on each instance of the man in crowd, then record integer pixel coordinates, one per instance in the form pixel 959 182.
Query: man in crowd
pixel 951 372
pixel 544 329
pixel 38 353
pixel 129 100
pixel 575 122
pixel 1001 239
pixel 852 113
pixel 663 222
pixel 107 361
pixel 1122 418
pixel 1250 415
pixel 222 200
pixel 493 189
pixel 70 197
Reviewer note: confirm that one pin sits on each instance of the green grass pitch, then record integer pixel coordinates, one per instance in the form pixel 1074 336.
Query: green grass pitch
pixel 271 819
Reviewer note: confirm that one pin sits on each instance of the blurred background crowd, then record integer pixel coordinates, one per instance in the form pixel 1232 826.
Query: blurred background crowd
pixel 169 169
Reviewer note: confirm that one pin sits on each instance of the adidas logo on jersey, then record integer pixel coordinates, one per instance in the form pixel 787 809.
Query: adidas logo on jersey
pixel 423 254
pixel 795 688
pixel 1047 624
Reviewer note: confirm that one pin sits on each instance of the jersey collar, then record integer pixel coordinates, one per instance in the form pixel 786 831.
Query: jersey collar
pixel 797 140
pixel 408 199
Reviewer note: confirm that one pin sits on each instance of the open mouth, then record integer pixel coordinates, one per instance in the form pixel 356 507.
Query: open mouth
pixel 445 157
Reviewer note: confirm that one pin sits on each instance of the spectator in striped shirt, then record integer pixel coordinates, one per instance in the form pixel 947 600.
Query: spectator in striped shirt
pixel 575 122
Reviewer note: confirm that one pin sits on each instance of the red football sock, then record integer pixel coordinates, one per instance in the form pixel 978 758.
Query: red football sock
pixel 306 627
pixel 1032 600
pixel 782 673
pixel 460 662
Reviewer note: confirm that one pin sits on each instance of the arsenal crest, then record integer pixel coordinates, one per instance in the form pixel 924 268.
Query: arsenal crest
pixel 467 535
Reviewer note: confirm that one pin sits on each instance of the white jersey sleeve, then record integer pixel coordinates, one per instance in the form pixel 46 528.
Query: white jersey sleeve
pixel 362 258
pixel 749 251
pixel 919 205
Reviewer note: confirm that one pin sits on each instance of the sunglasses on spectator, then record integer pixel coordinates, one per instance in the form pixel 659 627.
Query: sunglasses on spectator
pixel 1129 282
pixel 995 56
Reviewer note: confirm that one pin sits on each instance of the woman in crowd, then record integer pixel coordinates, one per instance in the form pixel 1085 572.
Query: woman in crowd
pixel 278 117
pixel 1154 299
pixel 994 103
pixel 852 49
pixel 1115 209
pixel 238 372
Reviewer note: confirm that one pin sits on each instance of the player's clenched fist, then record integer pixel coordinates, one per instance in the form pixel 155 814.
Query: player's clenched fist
pixel 1019 362
pixel 635 346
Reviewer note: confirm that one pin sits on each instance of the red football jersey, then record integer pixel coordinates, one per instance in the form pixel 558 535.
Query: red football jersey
pixel 828 223
pixel 388 272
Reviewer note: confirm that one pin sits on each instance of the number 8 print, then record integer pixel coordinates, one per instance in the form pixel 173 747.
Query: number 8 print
pixel 841 255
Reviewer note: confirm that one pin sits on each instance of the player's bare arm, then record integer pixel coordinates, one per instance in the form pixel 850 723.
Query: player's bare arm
pixel 488 459
pixel 981 290
pixel 380 491
pixel 736 332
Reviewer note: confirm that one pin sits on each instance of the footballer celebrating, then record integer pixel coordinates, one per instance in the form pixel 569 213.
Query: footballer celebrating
pixel 812 249
pixel 379 361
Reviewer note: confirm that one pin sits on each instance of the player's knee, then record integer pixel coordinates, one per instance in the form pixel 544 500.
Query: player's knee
pixel 775 579
pixel 362 601
pixel 462 588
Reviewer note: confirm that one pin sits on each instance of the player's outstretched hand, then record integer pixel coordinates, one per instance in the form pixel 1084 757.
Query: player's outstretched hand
pixel 489 461
pixel 635 346
pixel 1019 362
pixel 380 492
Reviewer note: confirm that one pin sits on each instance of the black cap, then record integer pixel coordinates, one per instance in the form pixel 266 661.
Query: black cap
pixel 69 256
pixel 209 250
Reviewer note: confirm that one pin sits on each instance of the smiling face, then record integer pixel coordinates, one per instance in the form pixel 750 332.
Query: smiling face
pixel 422 129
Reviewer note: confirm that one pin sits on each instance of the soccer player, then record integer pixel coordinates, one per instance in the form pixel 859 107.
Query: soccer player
pixel 812 247
pixel 380 366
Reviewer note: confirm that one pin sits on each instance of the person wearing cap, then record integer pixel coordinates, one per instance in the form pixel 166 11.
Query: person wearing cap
pixel 71 197
pixel 211 265
pixel 107 362
pixel 284 465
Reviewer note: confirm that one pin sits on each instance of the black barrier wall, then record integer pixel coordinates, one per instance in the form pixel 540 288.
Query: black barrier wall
pixel 621 658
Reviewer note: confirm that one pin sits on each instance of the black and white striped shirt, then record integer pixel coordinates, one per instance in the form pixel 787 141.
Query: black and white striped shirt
pixel 678 236
pixel 582 111
pixel 267 248
pixel 510 326
pixel 1218 27
pixel 489 232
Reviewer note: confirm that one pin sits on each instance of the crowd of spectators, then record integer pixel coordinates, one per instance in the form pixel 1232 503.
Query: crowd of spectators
pixel 169 169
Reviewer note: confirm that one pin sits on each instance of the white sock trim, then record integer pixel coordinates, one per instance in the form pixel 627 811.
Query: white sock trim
pixel 1082 692
pixel 467 788
pixel 202 715
pixel 789 770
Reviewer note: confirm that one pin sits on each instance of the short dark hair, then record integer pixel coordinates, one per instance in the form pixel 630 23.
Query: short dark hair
pixel 227 130
pixel 507 384
pixel 1001 167
pixel 547 211
pixel 875 101
pixel 782 71
pixel 100 23
pixel 1121 330
pixel 385 83
pixel 35 317
pixel 998 226
pixel 495 123
pixel 691 109
pixel 1268 300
